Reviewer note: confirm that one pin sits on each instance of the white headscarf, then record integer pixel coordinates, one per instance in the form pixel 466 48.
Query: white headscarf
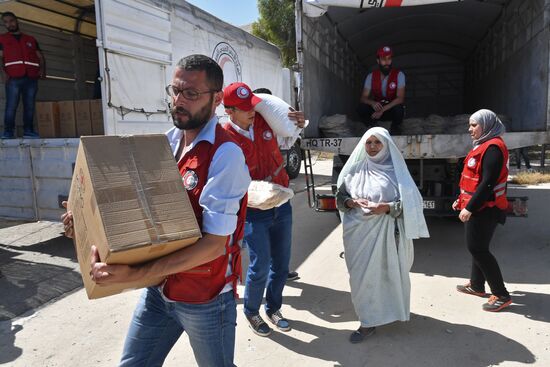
pixel 491 126
pixel 385 171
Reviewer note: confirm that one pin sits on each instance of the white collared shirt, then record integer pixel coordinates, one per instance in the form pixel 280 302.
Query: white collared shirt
pixel 227 182
pixel 246 133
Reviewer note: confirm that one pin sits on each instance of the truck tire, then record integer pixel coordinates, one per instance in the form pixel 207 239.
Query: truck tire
pixel 293 161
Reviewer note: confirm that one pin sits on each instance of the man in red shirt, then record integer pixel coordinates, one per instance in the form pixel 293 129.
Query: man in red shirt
pixel 23 65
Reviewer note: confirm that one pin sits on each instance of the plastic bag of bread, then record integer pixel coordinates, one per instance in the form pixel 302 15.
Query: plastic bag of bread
pixel 267 195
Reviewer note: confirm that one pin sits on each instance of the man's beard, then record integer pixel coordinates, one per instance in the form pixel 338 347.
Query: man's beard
pixel 194 121
pixel 14 29
pixel 385 69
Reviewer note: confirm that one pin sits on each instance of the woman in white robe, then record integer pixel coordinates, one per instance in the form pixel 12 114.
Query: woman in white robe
pixel 382 212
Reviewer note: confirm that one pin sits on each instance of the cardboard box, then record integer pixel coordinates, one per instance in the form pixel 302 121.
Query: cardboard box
pixel 83 117
pixel 47 117
pixel 96 113
pixel 67 119
pixel 128 200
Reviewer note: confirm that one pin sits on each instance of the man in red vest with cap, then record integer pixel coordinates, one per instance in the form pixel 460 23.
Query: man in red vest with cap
pixel 268 232
pixel 23 65
pixel 383 93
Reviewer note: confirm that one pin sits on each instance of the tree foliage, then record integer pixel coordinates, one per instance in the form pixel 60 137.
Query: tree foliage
pixel 276 25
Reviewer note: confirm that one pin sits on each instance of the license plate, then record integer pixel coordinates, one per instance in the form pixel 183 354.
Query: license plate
pixel 429 204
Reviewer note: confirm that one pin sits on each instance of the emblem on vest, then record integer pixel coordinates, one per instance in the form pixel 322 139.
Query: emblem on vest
pixel 29 44
pixel 190 180
pixel 393 85
pixel 242 93
pixel 471 162
pixel 267 135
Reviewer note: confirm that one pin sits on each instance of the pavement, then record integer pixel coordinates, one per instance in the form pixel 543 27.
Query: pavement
pixel 46 319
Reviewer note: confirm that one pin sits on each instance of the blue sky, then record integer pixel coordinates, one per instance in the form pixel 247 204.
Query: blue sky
pixel 236 12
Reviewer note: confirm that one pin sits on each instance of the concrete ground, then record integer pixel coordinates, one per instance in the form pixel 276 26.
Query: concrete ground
pixel 46 319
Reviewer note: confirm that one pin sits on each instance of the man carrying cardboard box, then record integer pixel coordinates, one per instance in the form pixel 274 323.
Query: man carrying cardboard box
pixel 198 295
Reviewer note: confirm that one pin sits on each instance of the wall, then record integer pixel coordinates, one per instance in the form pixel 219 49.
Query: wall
pixel 332 75
pixel 508 72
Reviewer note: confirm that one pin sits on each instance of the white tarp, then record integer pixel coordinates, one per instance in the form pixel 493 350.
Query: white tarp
pixel 136 83
pixel 243 57
pixel 316 8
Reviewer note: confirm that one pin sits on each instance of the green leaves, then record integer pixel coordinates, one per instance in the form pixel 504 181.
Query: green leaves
pixel 276 25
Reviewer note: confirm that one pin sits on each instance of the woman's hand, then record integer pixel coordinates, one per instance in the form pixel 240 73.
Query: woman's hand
pixel 357 203
pixel 378 208
pixel 455 205
pixel 465 215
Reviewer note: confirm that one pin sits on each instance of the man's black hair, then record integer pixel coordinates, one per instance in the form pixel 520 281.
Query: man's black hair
pixel 214 73
pixel 262 90
pixel 8 14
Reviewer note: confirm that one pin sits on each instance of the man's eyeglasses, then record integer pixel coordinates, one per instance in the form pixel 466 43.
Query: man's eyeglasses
pixel 189 94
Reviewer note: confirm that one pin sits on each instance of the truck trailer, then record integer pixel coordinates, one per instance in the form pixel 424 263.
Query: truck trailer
pixel 123 53
pixel 458 57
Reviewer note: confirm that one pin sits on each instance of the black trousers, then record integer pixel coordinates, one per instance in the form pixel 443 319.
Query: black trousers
pixel 479 231
pixel 522 152
pixel 395 115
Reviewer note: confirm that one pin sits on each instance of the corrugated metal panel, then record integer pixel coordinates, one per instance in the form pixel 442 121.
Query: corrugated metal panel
pixel 136 28
pixel 52 161
pixel 16 192
pixel 34 174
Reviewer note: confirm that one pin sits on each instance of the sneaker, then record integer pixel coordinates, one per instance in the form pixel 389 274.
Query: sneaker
pixel 360 334
pixel 278 320
pixel 30 135
pixel 293 275
pixel 258 325
pixel 467 288
pixel 7 135
pixel 497 303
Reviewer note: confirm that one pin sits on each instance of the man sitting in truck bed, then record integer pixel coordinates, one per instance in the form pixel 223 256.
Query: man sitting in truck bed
pixel 383 93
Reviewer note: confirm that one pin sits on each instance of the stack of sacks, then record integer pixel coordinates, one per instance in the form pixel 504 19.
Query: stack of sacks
pixel 339 126
pixel 266 195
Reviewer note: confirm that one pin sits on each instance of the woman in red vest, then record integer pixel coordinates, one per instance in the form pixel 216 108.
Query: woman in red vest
pixel 482 203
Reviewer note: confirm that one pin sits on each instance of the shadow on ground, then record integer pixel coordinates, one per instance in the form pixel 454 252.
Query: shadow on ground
pixel 25 285
pixel 8 351
pixel 521 246
pixel 424 341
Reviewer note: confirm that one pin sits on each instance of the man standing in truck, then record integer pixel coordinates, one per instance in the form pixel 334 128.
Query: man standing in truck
pixel 383 93
pixel 23 64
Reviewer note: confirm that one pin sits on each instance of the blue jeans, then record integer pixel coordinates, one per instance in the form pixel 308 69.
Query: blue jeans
pixel 158 323
pixel 268 235
pixel 16 87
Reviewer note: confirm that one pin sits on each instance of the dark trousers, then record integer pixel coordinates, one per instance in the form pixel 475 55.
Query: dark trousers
pixel 26 88
pixel 479 231
pixel 395 115
pixel 522 152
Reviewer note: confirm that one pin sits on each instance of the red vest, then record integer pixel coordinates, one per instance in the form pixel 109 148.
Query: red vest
pixel 20 57
pixel 471 176
pixel 391 87
pixel 263 157
pixel 204 282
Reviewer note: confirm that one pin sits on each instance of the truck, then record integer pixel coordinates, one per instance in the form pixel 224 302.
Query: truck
pixel 458 56
pixel 126 51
